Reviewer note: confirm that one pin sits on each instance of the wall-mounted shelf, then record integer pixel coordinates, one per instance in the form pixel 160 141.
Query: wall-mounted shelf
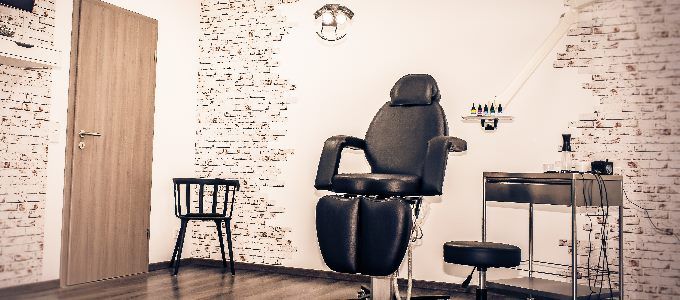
pixel 488 122
pixel 22 55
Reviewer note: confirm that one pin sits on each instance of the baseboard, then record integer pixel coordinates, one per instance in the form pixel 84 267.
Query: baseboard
pixel 285 270
pixel 420 284
pixel 162 265
pixel 31 287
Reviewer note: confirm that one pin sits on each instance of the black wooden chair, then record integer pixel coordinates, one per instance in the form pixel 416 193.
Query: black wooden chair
pixel 220 211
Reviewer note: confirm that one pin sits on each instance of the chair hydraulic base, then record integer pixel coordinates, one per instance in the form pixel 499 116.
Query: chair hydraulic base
pixel 382 289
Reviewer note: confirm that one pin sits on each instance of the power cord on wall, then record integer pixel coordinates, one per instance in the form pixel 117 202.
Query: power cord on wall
pixel 649 218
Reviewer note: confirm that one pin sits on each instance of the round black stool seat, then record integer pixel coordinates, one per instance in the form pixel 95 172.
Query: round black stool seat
pixel 482 254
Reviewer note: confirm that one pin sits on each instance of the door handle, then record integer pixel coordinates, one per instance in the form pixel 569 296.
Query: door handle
pixel 83 133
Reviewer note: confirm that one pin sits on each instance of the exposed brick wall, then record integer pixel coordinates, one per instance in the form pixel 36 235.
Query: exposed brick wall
pixel 242 106
pixel 631 49
pixel 35 28
pixel 24 116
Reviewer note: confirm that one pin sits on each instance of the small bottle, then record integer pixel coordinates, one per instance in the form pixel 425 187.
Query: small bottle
pixel 479 110
pixel 473 110
pixel 566 153
pixel 492 110
pixel 486 110
pixel 500 108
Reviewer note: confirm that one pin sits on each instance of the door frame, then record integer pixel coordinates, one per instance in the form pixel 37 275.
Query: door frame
pixel 70 135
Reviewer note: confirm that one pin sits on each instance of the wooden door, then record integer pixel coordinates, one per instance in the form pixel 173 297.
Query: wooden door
pixel 108 176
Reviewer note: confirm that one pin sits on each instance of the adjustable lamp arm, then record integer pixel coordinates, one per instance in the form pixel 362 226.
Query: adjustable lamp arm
pixel 560 30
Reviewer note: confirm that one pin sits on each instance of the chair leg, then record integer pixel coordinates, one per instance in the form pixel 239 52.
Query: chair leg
pixel 231 251
pixel 182 233
pixel 219 236
pixel 174 252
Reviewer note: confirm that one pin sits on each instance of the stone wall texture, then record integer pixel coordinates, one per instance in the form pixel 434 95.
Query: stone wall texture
pixel 242 112
pixel 631 51
pixel 24 122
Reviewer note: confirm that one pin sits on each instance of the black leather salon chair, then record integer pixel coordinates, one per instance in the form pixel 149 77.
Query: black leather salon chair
pixel 482 255
pixel 365 226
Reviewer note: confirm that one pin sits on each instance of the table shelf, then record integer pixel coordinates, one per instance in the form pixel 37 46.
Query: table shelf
pixel 545 288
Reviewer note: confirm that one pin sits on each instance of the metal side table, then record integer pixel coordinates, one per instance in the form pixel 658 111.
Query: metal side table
pixel 567 189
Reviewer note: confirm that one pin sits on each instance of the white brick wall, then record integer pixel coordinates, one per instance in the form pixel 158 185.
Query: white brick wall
pixel 631 49
pixel 24 117
pixel 242 98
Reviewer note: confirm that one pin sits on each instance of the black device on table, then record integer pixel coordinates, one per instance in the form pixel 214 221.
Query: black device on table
pixel 602 167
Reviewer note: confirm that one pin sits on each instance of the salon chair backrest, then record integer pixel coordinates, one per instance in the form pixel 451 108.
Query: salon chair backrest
pixel 396 140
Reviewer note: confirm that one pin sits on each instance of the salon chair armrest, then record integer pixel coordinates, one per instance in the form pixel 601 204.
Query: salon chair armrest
pixel 438 149
pixel 330 158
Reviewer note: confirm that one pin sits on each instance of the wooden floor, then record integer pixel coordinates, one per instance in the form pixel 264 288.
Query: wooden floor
pixel 197 282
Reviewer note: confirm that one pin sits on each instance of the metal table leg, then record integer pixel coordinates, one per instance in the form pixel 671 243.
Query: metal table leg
pixel 621 249
pixel 574 251
pixel 484 210
pixel 482 275
pixel 531 239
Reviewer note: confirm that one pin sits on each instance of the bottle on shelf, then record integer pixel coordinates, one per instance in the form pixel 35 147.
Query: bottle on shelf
pixel 473 110
pixel 479 110
pixel 492 110
pixel 486 110
pixel 500 108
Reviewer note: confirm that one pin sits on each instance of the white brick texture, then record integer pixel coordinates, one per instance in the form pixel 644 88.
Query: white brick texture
pixel 631 49
pixel 24 117
pixel 241 101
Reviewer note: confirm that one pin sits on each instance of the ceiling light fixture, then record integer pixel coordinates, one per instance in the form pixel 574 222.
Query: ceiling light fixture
pixel 334 19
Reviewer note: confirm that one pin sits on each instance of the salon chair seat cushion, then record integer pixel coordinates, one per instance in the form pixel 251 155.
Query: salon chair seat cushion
pixel 376 184
pixel 482 254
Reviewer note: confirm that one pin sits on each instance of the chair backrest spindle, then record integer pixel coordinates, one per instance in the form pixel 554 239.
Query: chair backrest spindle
pixel 188 197
pixel 178 207
pixel 216 189
pixel 233 195
pixel 200 197
pixel 230 186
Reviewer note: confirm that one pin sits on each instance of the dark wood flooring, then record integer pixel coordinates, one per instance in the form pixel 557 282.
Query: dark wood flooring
pixel 200 282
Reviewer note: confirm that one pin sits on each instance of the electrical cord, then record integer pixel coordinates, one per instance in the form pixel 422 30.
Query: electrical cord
pixel 649 218
pixel 588 201
pixel 603 260
pixel 416 234
pixel 604 205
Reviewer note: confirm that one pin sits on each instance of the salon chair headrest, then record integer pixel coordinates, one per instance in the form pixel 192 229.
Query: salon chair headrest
pixel 415 89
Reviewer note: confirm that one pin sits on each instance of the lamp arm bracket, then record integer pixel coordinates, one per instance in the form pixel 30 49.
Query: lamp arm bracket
pixel 566 20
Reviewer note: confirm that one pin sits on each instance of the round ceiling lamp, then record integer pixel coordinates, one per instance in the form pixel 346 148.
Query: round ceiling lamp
pixel 334 21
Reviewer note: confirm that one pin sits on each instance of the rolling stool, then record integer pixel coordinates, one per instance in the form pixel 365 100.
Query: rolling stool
pixel 482 255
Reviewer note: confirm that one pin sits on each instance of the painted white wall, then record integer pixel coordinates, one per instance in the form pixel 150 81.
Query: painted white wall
pixel 473 49
pixel 174 124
